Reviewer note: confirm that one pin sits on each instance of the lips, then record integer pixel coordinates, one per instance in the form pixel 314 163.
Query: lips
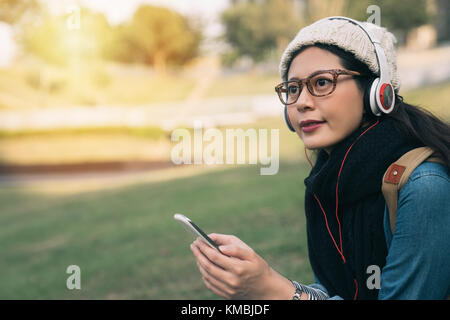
pixel 308 123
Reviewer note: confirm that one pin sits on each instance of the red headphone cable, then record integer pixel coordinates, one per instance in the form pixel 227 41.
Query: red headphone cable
pixel 337 198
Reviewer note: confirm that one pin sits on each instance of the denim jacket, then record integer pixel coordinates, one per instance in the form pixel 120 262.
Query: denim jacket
pixel 418 260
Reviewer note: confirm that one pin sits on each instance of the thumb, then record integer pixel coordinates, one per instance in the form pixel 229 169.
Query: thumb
pixel 236 251
pixel 223 239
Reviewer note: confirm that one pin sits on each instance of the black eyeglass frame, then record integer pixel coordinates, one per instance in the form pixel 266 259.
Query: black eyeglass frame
pixel 334 72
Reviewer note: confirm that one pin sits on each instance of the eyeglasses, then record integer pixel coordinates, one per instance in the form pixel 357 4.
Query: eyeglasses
pixel 320 83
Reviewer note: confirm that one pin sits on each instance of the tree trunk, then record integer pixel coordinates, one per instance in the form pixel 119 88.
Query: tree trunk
pixel 159 62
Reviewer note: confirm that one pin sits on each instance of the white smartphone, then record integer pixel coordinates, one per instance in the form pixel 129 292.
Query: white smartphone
pixel 192 228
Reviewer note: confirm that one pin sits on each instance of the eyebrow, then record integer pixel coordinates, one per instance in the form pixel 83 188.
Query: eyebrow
pixel 312 74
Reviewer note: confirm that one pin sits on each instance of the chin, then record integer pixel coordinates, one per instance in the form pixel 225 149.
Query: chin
pixel 313 144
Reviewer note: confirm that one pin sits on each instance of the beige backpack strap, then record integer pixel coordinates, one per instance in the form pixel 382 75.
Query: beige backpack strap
pixel 397 175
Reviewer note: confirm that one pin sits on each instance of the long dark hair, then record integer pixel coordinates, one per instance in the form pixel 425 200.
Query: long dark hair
pixel 419 124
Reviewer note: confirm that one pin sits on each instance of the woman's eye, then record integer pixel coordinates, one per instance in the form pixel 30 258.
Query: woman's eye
pixel 293 90
pixel 323 82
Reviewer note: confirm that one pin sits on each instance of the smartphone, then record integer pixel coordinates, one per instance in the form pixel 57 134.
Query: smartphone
pixel 192 228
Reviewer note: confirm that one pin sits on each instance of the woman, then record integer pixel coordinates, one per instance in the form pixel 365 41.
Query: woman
pixel 327 72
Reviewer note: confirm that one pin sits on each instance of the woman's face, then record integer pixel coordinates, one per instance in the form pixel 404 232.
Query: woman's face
pixel 342 110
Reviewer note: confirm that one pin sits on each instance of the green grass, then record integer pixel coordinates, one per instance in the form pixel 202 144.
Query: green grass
pixel 434 98
pixel 129 247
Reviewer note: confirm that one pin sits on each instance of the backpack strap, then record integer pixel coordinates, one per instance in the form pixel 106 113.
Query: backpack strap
pixel 397 175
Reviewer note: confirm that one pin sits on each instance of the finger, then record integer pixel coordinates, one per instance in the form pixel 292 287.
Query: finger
pixel 210 266
pixel 213 274
pixel 215 290
pixel 224 261
pixel 237 251
pixel 223 239
pixel 214 284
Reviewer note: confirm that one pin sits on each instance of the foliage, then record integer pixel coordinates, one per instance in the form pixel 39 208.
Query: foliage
pixel 394 15
pixel 157 36
pixel 12 11
pixel 53 41
pixel 256 28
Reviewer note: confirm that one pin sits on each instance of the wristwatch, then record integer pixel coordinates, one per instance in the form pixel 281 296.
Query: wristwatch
pixel 297 295
pixel 298 292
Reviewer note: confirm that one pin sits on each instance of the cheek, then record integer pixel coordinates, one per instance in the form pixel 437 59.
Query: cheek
pixel 293 116
pixel 344 110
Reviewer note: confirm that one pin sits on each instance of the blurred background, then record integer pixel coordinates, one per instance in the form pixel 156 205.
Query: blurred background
pixel 90 92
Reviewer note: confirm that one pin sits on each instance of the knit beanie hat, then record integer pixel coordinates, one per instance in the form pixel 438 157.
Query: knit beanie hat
pixel 349 37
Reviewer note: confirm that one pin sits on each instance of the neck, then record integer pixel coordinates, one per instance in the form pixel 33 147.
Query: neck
pixel 329 149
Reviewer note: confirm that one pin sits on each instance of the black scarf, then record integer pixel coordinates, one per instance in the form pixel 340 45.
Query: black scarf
pixel 360 208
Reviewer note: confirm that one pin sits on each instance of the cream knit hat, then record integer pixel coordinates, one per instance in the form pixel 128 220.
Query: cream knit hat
pixel 348 37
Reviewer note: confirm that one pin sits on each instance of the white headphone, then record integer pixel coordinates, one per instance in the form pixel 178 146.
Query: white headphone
pixel 380 95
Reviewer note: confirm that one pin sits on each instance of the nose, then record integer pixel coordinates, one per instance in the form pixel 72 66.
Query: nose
pixel 304 101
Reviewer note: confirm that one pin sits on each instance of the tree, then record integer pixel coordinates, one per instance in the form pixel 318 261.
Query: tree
pixel 398 17
pixel 442 21
pixel 318 9
pixel 55 42
pixel 12 11
pixel 257 28
pixel 157 36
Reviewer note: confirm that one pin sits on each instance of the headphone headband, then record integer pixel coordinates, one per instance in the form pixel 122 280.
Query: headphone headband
pixel 379 52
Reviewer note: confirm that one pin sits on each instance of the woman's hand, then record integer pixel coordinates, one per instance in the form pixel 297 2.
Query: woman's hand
pixel 238 273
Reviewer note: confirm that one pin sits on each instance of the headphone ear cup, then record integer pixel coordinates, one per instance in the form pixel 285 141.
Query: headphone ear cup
pixel 286 119
pixel 372 97
pixel 366 98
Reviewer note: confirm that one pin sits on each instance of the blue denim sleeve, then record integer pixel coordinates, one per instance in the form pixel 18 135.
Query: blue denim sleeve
pixel 319 286
pixel 418 260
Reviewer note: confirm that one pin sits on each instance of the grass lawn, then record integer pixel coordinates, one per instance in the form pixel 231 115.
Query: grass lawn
pixel 129 247
pixel 434 98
